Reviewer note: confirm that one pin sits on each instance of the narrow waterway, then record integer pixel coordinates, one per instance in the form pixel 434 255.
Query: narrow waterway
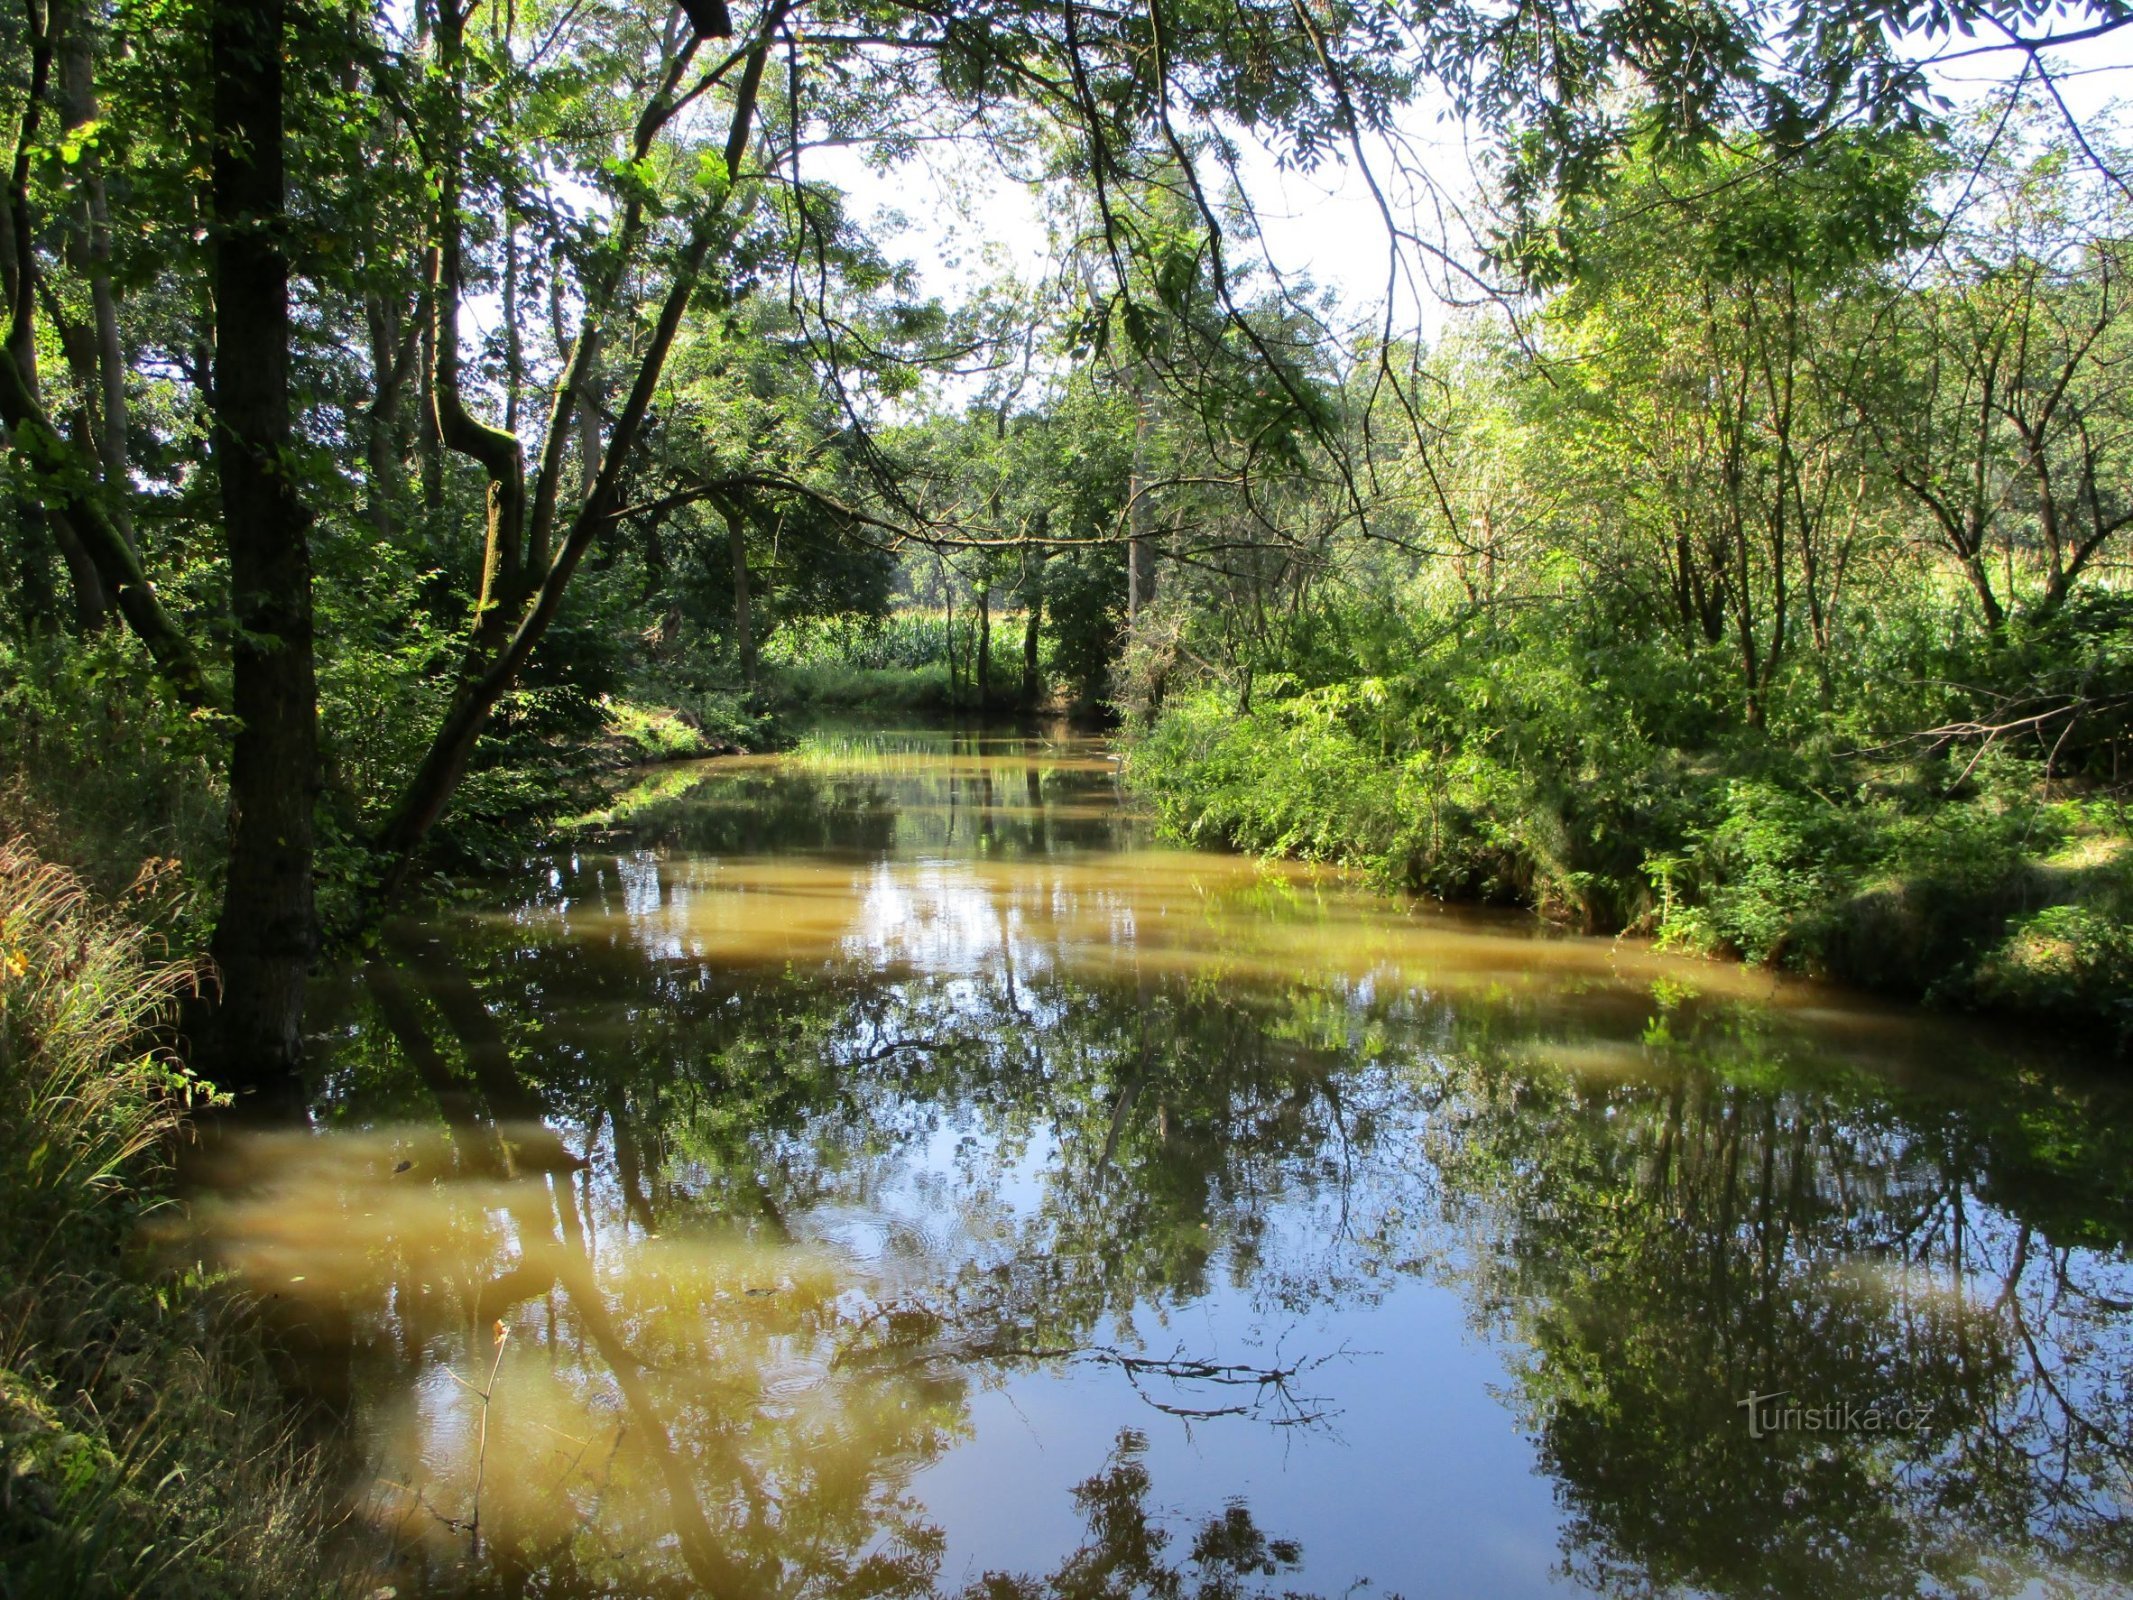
pixel 884 1169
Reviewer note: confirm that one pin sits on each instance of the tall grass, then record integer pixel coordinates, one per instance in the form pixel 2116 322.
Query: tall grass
pixel 146 1451
pixel 818 686
pixel 77 993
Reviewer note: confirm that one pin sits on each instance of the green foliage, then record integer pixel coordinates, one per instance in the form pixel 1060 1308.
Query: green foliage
pixel 1085 594
pixel 899 640
pixel 541 760
pixel 912 659
pixel 1552 763
pixel 103 772
pixel 828 686
pixel 1509 763
pixel 713 725
pixel 1749 602
pixel 1768 859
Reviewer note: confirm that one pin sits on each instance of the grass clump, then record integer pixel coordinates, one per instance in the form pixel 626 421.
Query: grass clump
pixel 143 1450
pixel 709 724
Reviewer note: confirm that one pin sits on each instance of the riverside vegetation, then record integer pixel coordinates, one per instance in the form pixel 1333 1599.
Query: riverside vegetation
pixel 147 1447
pixel 420 415
pixel 1778 607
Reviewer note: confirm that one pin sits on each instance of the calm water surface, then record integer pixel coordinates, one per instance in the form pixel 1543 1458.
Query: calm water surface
pixel 885 1170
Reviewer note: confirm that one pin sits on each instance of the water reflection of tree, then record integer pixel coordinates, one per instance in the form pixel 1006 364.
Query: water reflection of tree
pixel 1126 1553
pixel 788 810
pixel 1706 1219
pixel 731 1495
pixel 1156 1149
pixel 1664 1248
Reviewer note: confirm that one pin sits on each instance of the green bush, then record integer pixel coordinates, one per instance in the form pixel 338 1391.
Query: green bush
pixel 1491 765
pixel 1612 782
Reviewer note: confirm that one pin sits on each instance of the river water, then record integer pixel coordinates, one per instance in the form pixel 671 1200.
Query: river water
pixel 885 1169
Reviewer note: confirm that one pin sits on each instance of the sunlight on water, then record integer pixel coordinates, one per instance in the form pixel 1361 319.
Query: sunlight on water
pixel 887 1170
pixel 615 1370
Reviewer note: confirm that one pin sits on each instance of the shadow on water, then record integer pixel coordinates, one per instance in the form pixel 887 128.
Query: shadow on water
pixel 883 1170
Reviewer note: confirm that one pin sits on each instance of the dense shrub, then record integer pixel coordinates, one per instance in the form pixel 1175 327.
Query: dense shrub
pixel 1609 781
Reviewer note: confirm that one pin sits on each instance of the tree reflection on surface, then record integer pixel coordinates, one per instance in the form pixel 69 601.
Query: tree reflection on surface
pixel 852 1120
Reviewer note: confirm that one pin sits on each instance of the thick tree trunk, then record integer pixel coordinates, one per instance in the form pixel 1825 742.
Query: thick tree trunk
pixel 264 938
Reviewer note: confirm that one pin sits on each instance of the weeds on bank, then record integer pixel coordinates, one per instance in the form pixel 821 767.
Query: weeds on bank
pixel 142 1448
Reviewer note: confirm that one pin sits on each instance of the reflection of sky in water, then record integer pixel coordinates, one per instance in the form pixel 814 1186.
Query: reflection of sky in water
pixel 937 1127
pixel 1425 1484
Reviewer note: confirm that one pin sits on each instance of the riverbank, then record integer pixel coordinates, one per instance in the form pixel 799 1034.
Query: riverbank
pixel 147 1447
pixel 2010 895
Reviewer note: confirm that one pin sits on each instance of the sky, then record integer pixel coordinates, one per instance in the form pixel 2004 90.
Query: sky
pixel 1327 224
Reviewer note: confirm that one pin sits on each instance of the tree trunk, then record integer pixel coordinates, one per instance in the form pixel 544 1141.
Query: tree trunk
pixel 504 580
pixel 955 676
pixel 429 448
pixel 103 369
pixel 1032 623
pixel 1980 576
pixel 20 401
pixel 394 338
pixel 264 938
pixel 487 680
pixel 1137 510
pixel 86 534
pixel 39 607
pixel 585 412
pixel 102 561
pixel 390 356
pixel 743 622
pixel 984 662
pixel 453 746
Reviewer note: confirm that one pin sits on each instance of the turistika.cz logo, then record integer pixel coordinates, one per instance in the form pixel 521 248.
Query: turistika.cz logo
pixel 1766 1415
